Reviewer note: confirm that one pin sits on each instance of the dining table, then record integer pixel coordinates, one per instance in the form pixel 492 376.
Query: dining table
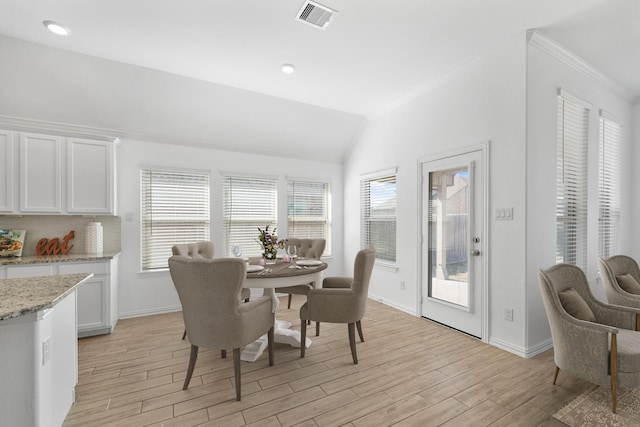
pixel 277 274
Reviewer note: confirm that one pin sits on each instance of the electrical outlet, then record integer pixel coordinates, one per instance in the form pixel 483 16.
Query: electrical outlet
pixel 508 314
pixel 46 351
pixel 402 285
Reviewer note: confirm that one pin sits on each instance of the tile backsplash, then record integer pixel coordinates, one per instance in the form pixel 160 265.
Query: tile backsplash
pixel 52 226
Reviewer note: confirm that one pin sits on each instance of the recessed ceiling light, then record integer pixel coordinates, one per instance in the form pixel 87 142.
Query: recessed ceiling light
pixel 288 68
pixel 56 28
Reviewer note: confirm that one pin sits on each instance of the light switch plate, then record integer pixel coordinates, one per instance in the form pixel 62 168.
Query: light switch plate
pixel 504 214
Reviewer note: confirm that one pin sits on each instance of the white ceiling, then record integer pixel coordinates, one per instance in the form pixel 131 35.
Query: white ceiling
pixel 372 54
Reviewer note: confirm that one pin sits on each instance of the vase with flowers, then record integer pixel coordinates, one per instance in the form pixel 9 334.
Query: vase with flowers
pixel 270 243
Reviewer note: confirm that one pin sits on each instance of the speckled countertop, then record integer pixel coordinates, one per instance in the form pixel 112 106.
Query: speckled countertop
pixel 25 260
pixel 19 297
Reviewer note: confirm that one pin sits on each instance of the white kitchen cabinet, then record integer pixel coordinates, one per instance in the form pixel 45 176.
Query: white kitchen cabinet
pixel 97 298
pixel 40 173
pixel 6 171
pixel 47 174
pixel 90 176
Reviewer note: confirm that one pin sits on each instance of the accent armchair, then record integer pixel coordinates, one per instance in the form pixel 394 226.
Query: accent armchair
pixel 592 340
pixel 344 304
pixel 621 280
pixel 214 316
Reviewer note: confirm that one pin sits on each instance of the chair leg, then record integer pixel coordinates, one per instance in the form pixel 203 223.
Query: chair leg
pixel 236 371
pixel 555 375
pixel 270 339
pixel 247 299
pixel 303 337
pixel 613 367
pixel 359 326
pixel 223 354
pixel 317 329
pixel 289 302
pixel 184 335
pixel 192 364
pixel 352 342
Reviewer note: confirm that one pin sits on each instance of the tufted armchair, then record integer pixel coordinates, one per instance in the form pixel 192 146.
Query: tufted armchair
pixel 341 304
pixel 620 275
pixel 604 350
pixel 214 316
pixel 307 248
pixel 202 250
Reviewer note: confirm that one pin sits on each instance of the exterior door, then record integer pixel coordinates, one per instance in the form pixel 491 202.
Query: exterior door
pixel 452 258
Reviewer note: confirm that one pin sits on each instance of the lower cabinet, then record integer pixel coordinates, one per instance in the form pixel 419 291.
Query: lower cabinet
pixel 97 298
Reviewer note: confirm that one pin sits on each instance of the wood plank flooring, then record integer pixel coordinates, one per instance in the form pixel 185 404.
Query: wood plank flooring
pixel 411 372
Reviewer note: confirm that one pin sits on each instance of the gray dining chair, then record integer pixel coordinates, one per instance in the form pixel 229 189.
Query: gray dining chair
pixel 213 313
pixel 342 304
pixel 306 248
pixel 202 250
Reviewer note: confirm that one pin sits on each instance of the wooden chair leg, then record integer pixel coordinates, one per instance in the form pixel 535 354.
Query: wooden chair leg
pixel 303 336
pixel 270 339
pixel 184 335
pixel 192 364
pixel 289 302
pixel 317 329
pixel 352 342
pixel 236 371
pixel 555 375
pixel 359 326
pixel 223 354
pixel 613 366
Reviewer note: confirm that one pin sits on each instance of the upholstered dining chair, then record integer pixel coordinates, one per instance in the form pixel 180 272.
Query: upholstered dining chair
pixel 214 316
pixel 343 304
pixel 202 250
pixel 306 248
pixel 621 280
pixel 592 340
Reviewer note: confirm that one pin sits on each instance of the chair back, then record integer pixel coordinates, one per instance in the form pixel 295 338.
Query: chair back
pixel 202 250
pixel 362 268
pixel 619 265
pixel 209 292
pixel 308 248
pixel 564 276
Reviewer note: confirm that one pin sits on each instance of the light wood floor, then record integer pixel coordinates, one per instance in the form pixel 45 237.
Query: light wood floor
pixel 411 372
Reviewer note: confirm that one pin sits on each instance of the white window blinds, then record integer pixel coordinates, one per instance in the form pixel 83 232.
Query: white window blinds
pixel 174 209
pixel 378 214
pixel 249 203
pixel 609 186
pixel 571 181
pixel 308 211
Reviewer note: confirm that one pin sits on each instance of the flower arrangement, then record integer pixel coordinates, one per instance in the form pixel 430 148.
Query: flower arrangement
pixel 270 243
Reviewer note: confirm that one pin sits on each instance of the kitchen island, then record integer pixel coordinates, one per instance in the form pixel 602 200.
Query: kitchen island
pixel 38 349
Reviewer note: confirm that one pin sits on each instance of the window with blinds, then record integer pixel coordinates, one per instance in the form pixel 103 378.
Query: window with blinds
pixel 609 186
pixel 308 211
pixel 174 209
pixel 248 204
pixel 571 180
pixel 378 214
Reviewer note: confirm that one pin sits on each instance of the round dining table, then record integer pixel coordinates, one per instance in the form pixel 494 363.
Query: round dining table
pixel 279 274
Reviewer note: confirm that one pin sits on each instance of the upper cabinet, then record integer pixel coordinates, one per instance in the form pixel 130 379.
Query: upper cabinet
pixel 6 171
pixel 49 174
pixel 90 167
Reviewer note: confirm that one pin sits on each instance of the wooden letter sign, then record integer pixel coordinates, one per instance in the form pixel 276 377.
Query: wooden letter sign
pixel 53 246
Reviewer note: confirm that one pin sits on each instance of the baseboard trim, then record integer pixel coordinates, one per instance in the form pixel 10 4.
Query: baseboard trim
pixel 150 312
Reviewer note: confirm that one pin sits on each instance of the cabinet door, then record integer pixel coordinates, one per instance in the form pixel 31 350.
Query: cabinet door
pixel 40 173
pixel 6 171
pixel 92 309
pixel 91 177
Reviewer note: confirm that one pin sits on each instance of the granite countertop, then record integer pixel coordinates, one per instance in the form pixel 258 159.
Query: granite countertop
pixel 19 297
pixel 25 260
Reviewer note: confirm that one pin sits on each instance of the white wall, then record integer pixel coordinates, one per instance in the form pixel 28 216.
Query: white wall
pixel 147 293
pixel 482 101
pixel 546 73
pixel 634 235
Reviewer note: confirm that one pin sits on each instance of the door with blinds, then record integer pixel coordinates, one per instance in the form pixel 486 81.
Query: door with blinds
pixel 453 261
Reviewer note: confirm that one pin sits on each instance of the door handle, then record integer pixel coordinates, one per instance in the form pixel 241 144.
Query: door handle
pixel 475 252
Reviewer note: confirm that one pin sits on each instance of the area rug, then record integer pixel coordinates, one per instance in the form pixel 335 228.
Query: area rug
pixel 593 408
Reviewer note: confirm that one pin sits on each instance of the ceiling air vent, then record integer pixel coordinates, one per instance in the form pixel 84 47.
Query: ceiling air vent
pixel 315 14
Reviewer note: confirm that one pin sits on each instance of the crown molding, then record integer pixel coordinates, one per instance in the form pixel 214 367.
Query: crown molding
pixel 539 40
